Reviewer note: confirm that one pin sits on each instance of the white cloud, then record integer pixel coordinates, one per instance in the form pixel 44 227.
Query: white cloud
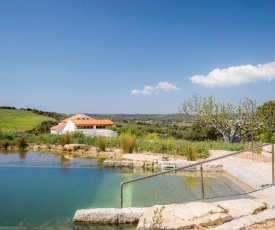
pixel 166 86
pixel 236 75
pixel 135 92
pixel 147 90
pixel 160 87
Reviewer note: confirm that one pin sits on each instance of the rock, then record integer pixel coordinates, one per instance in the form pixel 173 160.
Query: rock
pixel 117 151
pixel 183 216
pixel 213 167
pixel 249 220
pixel 267 148
pixel 148 165
pixel 139 164
pixel 35 148
pixel 111 163
pixel 241 207
pixel 108 216
pixel 43 147
pixel 128 164
pixel 213 219
pixel 73 147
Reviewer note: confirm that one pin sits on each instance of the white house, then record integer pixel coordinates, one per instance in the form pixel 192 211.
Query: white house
pixel 89 126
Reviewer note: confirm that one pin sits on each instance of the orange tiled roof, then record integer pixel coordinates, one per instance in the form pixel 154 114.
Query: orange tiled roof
pixel 75 117
pixel 92 122
pixel 83 122
pixel 58 126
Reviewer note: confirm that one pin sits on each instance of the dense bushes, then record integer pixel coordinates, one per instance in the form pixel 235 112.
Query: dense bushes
pixel 44 127
pixel 199 132
pixel 127 142
pixel 54 115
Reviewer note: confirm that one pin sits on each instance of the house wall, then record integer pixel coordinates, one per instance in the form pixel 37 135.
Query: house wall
pixel 58 131
pixel 106 133
pixel 98 132
pixel 70 127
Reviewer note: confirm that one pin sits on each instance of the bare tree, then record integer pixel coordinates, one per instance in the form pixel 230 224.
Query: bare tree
pixel 226 118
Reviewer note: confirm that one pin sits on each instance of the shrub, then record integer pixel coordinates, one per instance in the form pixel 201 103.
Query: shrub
pixel 203 153
pixel 131 130
pixel 127 143
pixel 90 140
pixel 191 153
pixel 7 136
pixel 153 137
pixel 77 134
pixel 22 143
pixel 200 132
pixel 4 144
pixel 113 142
pixel 47 138
pixel 113 128
pixel 65 138
pixel 101 143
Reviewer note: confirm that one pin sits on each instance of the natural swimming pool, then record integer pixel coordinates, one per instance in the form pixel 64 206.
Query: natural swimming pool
pixel 44 189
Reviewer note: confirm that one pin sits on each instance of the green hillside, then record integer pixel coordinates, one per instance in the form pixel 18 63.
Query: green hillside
pixel 14 120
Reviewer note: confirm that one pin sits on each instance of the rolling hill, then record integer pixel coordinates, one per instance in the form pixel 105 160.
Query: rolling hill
pixel 18 120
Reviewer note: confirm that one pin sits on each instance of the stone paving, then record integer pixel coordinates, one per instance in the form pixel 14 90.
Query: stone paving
pixel 199 214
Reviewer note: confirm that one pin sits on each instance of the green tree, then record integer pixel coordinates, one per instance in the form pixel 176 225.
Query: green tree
pixel 266 115
pixel 228 119
pixel 201 132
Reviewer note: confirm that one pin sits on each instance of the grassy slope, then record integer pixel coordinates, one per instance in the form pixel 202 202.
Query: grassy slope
pixel 20 120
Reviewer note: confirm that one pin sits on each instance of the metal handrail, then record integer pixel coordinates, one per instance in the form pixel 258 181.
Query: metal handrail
pixel 201 168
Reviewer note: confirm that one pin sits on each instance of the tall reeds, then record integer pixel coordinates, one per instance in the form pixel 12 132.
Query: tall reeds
pixel 127 143
pixel 101 143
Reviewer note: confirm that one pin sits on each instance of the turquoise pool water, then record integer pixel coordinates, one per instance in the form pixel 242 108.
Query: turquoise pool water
pixel 46 189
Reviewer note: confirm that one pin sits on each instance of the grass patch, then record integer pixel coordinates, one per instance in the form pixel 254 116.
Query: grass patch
pixel 13 120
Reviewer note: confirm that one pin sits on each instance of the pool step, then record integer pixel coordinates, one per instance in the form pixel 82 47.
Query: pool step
pixel 167 166
pixel 250 177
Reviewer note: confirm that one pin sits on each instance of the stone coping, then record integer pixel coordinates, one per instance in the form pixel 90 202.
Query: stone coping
pixel 181 216
pixel 157 162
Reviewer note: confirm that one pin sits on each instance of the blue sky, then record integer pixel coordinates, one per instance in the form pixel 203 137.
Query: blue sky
pixel 134 56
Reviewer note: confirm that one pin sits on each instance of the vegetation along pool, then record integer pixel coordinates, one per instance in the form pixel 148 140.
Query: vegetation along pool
pixel 44 189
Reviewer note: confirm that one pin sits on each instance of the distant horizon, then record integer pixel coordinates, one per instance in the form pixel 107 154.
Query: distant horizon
pixel 91 113
pixel 134 57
